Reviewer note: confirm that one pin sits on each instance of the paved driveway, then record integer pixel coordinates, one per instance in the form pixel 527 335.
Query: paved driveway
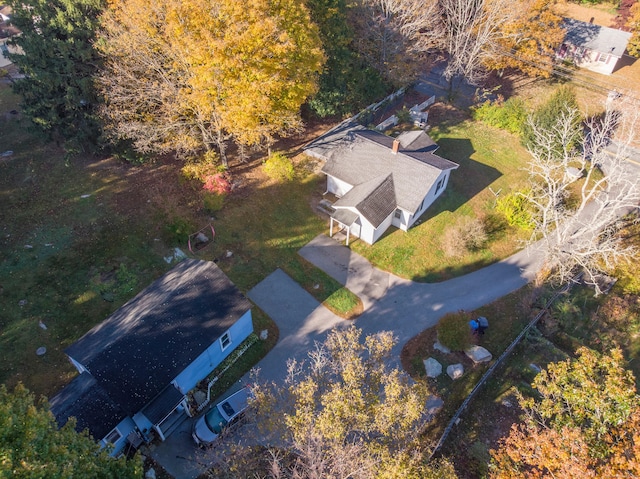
pixel 391 303
pixel 301 319
pixel 406 308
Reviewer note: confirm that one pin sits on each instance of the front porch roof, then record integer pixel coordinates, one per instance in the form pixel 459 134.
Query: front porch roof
pixel 344 216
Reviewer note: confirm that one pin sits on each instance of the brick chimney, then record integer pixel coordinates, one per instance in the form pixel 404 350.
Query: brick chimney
pixel 395 147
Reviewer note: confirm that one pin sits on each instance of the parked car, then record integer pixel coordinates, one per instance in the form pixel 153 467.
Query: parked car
pixel 211 424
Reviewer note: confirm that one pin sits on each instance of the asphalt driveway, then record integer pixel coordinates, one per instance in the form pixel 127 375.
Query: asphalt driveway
pixel 406 308
pixel 301 319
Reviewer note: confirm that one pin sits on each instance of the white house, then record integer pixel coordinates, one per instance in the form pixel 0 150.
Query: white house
pixel 591 46
pixel 137 366
pixel 380 181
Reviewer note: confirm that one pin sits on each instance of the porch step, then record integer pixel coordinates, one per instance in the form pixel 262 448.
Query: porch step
pixel 324 206
pixel 173 422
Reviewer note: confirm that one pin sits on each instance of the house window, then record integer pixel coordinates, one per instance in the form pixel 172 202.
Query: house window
pixel 113 437
pixel 225 341
pixel 398 214
pixel 439 185
pixel 603 57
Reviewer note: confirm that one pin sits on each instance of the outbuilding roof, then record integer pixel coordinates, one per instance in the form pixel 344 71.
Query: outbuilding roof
pixel 595 37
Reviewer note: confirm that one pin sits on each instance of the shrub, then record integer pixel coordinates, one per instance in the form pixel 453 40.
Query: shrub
pixel 546 116
pixel 217 183
pixel 515 208
pixel 177 231
pixel 510 115
pixel 279 167
pixel 404 115
pixel 213 201
pixel 454 331
pixel 468 234
pixel 201 168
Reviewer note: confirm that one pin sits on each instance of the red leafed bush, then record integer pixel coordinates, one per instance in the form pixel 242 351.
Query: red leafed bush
pixel 217 183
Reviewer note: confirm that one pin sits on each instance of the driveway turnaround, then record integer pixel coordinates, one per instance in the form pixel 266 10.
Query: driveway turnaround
pixel 349 269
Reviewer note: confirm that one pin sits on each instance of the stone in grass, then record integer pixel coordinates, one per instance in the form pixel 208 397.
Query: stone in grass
pixel 455 371
pixel 441 347
pixel 478 354
pixel 432 367
pixel 433 405
pixel 264 334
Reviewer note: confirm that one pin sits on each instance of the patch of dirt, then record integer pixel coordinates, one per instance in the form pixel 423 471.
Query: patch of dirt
pixel 598 14
pixel 624 13
pixel 441 113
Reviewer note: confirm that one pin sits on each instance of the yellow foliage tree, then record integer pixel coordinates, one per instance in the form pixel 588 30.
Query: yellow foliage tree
pixel 529 42
pixel 634 24
pixel 187 75
pixel 347 414
pixel 585 423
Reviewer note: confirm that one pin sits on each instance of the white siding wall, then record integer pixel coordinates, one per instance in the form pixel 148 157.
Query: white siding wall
pixel 337 187
pixel 590 62
pixel 401 222
pixel 383 227
pixel 367 231
pixel 431 196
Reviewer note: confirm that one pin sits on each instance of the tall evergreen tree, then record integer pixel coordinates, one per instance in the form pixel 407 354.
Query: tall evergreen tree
pixel 58 62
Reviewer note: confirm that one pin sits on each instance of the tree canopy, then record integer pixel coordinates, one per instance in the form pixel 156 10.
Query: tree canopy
pixel 584 424
pixel 634 25
pixel 346 413
pixel 32 446
pixel 59 64
pixel 347 82
pixel 529 42
pixel 188 75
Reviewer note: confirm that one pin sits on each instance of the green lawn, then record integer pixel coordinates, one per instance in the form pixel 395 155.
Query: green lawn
pixel 489 159
pixel 68 260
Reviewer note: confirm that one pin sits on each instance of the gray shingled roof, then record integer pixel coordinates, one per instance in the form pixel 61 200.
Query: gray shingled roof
pixel 374 199
pixel 140 348
pixel 362 155
pixel 417 140
pixel 595 37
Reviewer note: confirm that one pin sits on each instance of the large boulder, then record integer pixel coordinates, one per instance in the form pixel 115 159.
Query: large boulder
pixel 432 367
pixel 455 371
pixel 478 354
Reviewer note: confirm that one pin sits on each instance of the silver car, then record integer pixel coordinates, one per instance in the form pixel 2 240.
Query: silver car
pixel 210 425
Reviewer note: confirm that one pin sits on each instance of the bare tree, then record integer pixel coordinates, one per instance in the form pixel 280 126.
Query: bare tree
pixel 394 35
pixel 579 226
pixel 473 29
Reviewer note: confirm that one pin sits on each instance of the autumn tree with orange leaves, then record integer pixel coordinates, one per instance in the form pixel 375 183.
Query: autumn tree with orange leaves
pixel 529 43
pixel 188 75
pixel 585 423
